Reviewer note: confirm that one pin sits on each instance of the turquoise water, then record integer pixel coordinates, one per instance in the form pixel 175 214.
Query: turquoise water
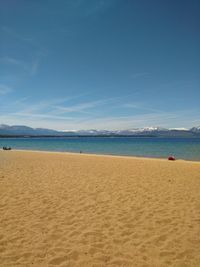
pixel 181 148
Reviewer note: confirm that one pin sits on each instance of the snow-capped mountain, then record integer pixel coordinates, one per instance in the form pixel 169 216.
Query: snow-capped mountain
pixel 21 130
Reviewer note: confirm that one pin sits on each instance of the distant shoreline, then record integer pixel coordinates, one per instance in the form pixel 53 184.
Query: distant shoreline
pixel 70 136
pixel 147 147
pixel 100 155
pixel 94 136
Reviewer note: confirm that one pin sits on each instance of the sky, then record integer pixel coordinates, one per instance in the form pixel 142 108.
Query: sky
pixel 100 64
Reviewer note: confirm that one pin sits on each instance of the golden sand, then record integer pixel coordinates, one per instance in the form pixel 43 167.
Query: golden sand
pixel 61 209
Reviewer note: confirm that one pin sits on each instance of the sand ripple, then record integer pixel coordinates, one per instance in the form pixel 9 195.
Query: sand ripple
pixel 78 210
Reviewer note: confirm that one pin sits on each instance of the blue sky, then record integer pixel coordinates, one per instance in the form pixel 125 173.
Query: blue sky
pixel 103 64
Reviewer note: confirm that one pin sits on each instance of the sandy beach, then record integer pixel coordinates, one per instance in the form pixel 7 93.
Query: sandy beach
pixel 62 209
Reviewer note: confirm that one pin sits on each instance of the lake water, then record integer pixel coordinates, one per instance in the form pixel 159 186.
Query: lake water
pixel 181 148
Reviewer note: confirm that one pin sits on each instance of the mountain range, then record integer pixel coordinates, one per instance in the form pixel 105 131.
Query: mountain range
pixel 25 131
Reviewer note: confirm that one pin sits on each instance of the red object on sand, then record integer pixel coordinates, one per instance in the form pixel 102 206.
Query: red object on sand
pixel 171 158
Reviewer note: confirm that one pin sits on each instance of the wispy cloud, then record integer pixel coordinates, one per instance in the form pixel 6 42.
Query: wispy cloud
pixel 31 64
pixel 40 106
pixel 138 75
pixel 29 67
pixel 164 119
pixel 141 106
pixel 26 39
pixel 13 61
pixel 91 7
pixel 47 107
pixel 82 106
pixel 34 67
pixel 21 101
pixel 56 109
pixel 41 116
pixel 183 118
pixel 4 89
pixel 61 114
pixel 98 6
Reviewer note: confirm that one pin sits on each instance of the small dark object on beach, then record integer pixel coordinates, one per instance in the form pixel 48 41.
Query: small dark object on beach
pixel 171 158
pixel 80 151
pixel 6 148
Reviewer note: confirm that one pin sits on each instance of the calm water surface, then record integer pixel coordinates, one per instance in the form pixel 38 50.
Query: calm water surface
pixel 182 148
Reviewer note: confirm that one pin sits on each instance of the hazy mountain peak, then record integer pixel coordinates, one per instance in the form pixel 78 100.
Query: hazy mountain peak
pixel 3 126
pixel 195 129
